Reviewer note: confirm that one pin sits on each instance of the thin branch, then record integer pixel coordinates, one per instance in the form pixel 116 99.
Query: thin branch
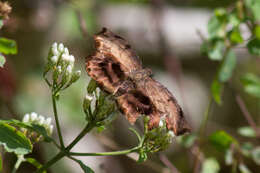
pixel 247 115
pixel 82 24
pixel 168 163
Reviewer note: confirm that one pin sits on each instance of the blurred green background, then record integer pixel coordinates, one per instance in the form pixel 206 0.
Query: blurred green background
pixel 165 36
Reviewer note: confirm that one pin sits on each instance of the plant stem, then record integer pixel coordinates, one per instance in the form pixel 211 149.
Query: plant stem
pixel 60 155
pixel 113 153
pixel 20 159
pixel 64 151
pixel 57 120
pixel 205 118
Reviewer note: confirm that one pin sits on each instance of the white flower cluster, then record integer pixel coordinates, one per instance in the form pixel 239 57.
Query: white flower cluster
pixel 34 118
pixel 61 64
pixel 62 58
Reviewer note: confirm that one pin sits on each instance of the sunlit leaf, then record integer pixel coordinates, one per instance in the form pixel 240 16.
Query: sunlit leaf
pixel 210 165
pixel 227 67
pixel 14 140
pixel 216 90
pixel 251 84
pixel 35 163
pixel 2 60
pixel 256 155
pixel 187 140
pixel 254 5
pixel 243 168
pixel 221 140
pixel 254 46
pixel 215 52
pixel 7 46
pixel 257 32
pixel 247 131
pixel 229 157
pixel 246 148
pixel 236 37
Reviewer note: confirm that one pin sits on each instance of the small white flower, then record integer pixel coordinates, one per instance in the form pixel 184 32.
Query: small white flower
pixel 171 134
pixel 26 118
pixel 59 69
pixel 161 123
pixel 54 59
pixel 47 121
pixel 41 119
pixel 88 97
pixel 33 116
pixel 71 59
pixel 54 45
pixel 65 57
pixel 66 51
pixel 78 72
pixel 69 69
pixel 61 47
pixel 50 130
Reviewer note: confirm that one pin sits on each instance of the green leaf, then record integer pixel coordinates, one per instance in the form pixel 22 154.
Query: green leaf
pixel 229 157
pixel 8 46
pixel 256 155
pixel 227 67
pixel 210 165
pixel 254 6
pixel 243 168
pixel 221 140
pixel 92 85
pixel 35 163
pixel 2 60
pixel 251 84
pixel 247 132
pixel 14 140
pixel 216 90
pixel 216 51
pixel 246 148
pixel 234 20
pixel 33 127
pixel 84 167
pixel 257 32
pixel 187 140
pixel 236 37
pixel 254 46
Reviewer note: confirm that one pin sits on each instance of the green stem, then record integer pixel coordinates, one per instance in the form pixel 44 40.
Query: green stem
pixel 113 153
pixel 57 120
pixel 203 125
pixel 63 152
pixel 51 162
pixel 20 159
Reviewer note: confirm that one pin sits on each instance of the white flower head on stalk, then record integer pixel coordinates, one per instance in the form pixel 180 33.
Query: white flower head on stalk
pixel 69 69
pixel 54 49
pixel 171 134
pixel 34 118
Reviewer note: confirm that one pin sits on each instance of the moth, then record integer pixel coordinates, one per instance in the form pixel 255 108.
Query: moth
pixel 118 70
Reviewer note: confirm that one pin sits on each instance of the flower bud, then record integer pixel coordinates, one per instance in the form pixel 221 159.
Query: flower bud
pixel 61 47
pixel 26 118
pixel 33 116
pixel 54 59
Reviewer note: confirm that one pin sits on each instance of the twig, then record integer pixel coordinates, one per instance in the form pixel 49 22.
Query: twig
pixel 247 115
pixel 82 24
pixel 168 163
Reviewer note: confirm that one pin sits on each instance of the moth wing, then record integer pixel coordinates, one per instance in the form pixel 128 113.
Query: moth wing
pixel 165 103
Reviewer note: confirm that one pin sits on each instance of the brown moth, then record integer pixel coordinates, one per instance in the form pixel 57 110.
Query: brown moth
pixel 118 70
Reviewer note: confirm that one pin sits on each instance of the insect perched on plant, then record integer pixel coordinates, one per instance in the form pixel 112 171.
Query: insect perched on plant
pixel 118 70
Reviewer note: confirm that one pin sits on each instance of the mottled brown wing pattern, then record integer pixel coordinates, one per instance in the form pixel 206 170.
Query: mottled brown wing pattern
pixel 118 70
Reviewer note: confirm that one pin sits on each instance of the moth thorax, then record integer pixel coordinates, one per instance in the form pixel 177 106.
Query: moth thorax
pixel 139 75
